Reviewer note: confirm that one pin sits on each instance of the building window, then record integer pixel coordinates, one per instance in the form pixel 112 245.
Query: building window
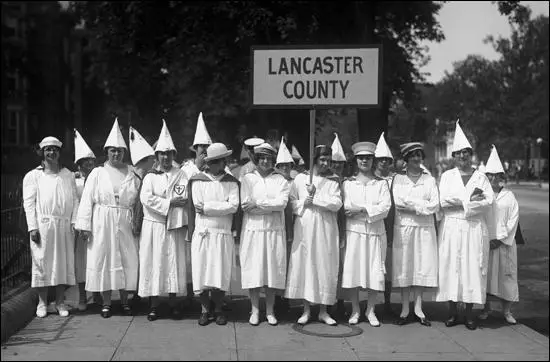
pixel 15 133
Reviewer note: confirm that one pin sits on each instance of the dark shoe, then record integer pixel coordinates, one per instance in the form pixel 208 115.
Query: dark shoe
pixel 177 313
pixel 106 311
pixel 221 319
pixel 126 310
pixel 452 321
pixel 152 316
pixel 402 321
pixel 424 321
pixel 204 320
pixel 470 324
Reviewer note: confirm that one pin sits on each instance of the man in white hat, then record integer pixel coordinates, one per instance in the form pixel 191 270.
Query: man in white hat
pixel 105 219
pixel 201 141
pixel 264 196
pixel 213 201
pixel 313 269
pixel 50 202
pixel 162 259
pixel 383 159
pixel 249 145
pixel 466 197
pixel 84 158
pixel 502 274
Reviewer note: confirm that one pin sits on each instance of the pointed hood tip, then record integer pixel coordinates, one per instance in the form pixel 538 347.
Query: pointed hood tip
pixel 115 138
pixel 139 147
pixel 283 155
pixel 81 148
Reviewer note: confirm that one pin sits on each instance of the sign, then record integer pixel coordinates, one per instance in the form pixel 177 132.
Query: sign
pixel 303 77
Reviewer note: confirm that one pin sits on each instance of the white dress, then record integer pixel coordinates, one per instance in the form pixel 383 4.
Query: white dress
pixel 364 262
pixel 162 259
pixel 51 203
pixel 463 239
pixel 502 277
pixel 80 245
pixel 212 246
pixel 313 268
pixel 263 237
pixel 112 260
pixel 414 237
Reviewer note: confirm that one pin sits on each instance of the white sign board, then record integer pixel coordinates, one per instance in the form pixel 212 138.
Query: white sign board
pixel 299 77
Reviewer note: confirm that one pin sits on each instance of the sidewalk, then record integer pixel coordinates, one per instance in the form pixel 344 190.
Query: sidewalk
pixel 87 336
pixel 528 184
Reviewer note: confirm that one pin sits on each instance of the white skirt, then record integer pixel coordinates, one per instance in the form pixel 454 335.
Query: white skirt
pixel 364 261
pixel 213 259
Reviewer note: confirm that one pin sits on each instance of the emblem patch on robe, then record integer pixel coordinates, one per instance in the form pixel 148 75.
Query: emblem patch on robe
pixel 179 189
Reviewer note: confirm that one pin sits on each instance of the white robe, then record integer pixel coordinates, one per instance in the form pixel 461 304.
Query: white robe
pixel 463 239
pixel 414 237
pixel 502 277
pixel 263 236
pixel 190 170
pixel 162 259
pixel 51 203
pixel 364 262
pixel 112 260
pixel 212 245
pixel 80 245
pixel 313 268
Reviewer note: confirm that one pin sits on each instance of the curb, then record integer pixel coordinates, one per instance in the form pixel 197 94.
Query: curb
pixel 18 311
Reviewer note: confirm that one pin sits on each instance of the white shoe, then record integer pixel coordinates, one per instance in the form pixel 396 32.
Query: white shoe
pixel 272 320
pixel 51 308
pixel 484 315
pixel 510 318
pixel 354 319
pixel 373 321
pixel 325 318
pixel 41 311
pixel 254 319
pixel 82 307
pixel 304 319
pixel 63 311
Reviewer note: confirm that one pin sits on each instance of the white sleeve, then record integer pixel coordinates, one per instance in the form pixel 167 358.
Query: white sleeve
pixel 30 189
pixel 158 204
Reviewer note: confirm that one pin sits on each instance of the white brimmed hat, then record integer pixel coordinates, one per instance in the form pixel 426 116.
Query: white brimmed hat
pixel 81 148
pixel 165 143
pixel 460 141
pixel 283 156
pixel 50 141
pixel 493 163
pixel 139 147
pixel 296 155
pixel 382 149
pixel 253 142
pixel 216 151
pixel 201 134
pixel 115 138
pixel 363 148
pixel 337 150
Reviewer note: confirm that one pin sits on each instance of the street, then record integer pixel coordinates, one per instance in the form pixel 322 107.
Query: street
pixel 532 309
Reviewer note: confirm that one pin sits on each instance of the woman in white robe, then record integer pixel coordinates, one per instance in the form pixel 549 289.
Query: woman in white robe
pixel 313 270
pixel 264 196
pixel 214 198
pixel 414 239
pixel 105 220
pixel 463 242
pixel 162 260
pixel 502 276
pixel 51 203
pixel 367 203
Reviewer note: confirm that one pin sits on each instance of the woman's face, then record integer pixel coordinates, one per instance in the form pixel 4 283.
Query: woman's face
pixel 383 164
pixel 165 159
pixel 496 179
pixel 285 168
pixel 87 165
pixel 415 158
pixel 51 153
pixel 463 158
pixel 216 166
pixel 323 163
pixel 337 167
pixel 364 162
pixel 265 162
pixel 115 155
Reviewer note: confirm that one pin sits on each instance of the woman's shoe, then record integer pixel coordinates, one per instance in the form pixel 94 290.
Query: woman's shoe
pixel 354 319
pixel 152 316
pixel 41 311
pixel 452 321
pixel 62 310
pixel 304 319
pixel 326 318
pixel 373 321
pixel 470 324
pixel 401 321
pixel 510 318
pixel 221 319
pixel 272 320
pixel 203 319
pixel 424 321
pixel 106 311
pixel 126 310
pixel 254 319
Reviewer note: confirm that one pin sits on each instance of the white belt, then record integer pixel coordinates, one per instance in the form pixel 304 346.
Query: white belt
pixel 46 218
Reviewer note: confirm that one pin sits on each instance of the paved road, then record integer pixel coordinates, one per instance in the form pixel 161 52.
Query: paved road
pixel 532 308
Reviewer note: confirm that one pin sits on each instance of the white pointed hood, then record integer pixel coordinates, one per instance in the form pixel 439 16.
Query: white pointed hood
pixel 337 150
pixel 382 149
pixel 81 148
pixel 283 156
pixel 244 154
pixel 493 163
pixel 139 147
pixel 165 142
pixel 460 141
pixel 115 138
pixel 201 134
pixel 296 155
